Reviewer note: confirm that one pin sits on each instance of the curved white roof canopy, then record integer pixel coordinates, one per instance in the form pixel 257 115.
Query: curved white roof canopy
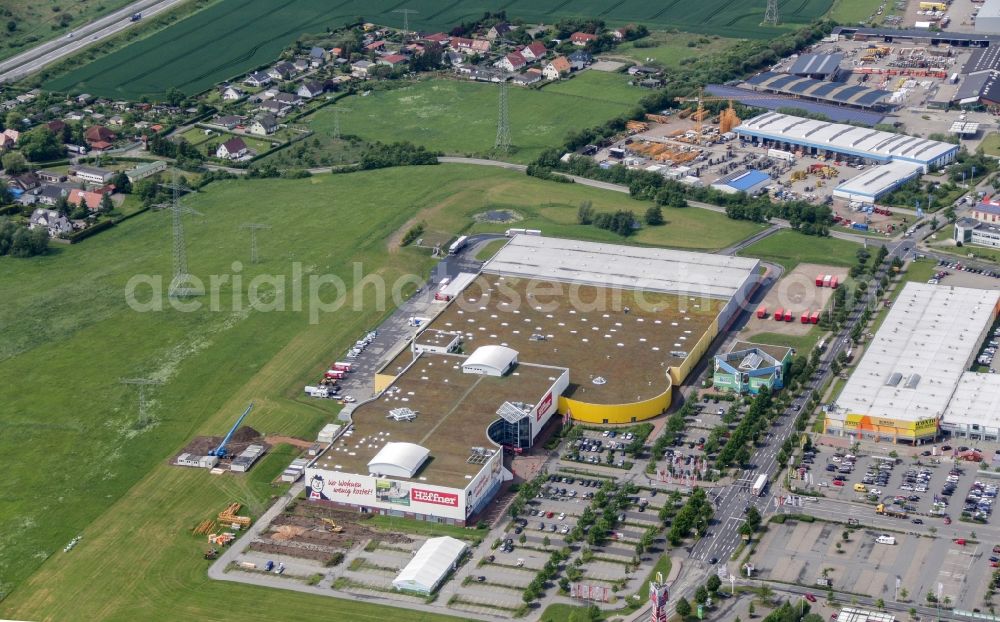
pixel 398 460
pixel 496 358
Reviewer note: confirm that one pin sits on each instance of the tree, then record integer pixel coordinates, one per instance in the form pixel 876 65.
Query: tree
pixel 585 213
pixel 683 607
pixel 880 604
pixel 713 584
pixel 845 536
pixel 753 518
pixel 903 593
pixel 751 610
pixel 13 120
pixel 11 26
pixel 546 542
pixel 39 144
pixel 14 163
pixel 701 595
pixel 654 216
pixel 106 204
pixel 122 183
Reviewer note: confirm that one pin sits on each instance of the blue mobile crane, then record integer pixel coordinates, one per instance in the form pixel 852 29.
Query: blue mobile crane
pixel 220 451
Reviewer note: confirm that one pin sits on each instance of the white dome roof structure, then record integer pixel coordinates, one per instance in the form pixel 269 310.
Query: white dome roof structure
pixel 398 460
pixel 490 361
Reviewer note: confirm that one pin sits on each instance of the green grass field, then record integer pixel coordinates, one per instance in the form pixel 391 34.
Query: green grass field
pixel 225 39
pixel 37 22
pixel 991 144
pixel 76 462
pixel 459 117
pixel 851 12
pixel 670 48
pixel 789 249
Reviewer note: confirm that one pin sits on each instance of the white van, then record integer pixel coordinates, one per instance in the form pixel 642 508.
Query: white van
pixel 885 539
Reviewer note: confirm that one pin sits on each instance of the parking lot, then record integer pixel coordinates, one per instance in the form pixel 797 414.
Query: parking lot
pixel 925 489
pixel 807 553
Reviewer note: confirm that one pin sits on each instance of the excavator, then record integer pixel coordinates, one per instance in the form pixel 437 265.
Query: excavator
pixel 332 526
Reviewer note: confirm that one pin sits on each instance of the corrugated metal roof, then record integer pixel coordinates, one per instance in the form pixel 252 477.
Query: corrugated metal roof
pixel 817 64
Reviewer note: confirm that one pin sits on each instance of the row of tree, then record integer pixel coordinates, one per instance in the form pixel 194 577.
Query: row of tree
pixel 750 428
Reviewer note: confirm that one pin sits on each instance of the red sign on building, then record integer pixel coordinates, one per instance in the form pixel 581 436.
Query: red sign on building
pixel 432 496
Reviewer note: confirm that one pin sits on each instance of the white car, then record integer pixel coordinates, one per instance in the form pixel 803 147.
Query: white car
pixel 562 515
pixel 349 399
pixel 875 491
pixel 824 484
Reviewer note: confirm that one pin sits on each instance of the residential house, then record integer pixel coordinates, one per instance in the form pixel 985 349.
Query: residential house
pixel 99 137
pixel 526 78
pixel 619 33
pixel 580 59
pixel 499 31
pixel 264 126
pixel 51 220
pixel 146 169
pixel 582 38
pixel 336 52
pixel 290 99
pixel 231 93
pixel 470 46
pixel 275 107
pixel 12 135
pixel 484 74
pixel 453 58
pixel 317 56
pixel 438 37
pixel 480 46
pixel 45 194
pixel 92 174
pixel 92 199
pixel 512 62
pixel 84 98
pixel 300 64
pixel 375 46
pixel 6 142
pixel 282 71
pixel 228 121
pixel 360 69
pixel 56 126
pixel 393 60
pixel 557 68
pixel 533 52
pixel 24 182
pixel 75 115
pixel 116 120
pixel 643 70
pixel 232 149
pixel 310 89
pixel 257 79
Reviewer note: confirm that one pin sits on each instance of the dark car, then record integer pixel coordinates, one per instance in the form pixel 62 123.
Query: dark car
pixel 917 521
pixel 810 598
pixel 713 561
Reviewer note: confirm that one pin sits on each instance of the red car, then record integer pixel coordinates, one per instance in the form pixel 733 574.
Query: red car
pixel 810 598
pixel 837 482
pixel 549 515
pixel 947 520
pixel 960 541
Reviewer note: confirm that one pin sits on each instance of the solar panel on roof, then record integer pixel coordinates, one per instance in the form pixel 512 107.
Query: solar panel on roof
pixel 761 78
pixel 782 81
pixel 845 95
pixel 824 89
pixel 871 98
pixel 803 85
pixel 837 114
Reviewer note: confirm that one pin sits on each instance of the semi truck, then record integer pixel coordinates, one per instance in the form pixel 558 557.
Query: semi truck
pixel 340 366
pixel 884 510
pixel 759 485
pixel 458 245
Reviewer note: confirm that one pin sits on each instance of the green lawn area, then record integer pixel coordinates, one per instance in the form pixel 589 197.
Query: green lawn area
pixel 396 525
pixel 459 117
pixel 207 143
pixel 137 559
pixel 670 48
pixel 489 250
pixel 790 248
pixel 801 343
pixel 562 613
pixel 942 242
pixel 850 12
pixel 991 144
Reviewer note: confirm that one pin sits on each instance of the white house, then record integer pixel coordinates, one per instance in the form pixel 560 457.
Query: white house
pixel 50 219
pixel 231 93
pixel 512 62
pixel 232 149
pixel 264 126
pixel 257 78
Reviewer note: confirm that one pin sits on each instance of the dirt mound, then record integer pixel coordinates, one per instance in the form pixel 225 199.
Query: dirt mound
pixel 245 434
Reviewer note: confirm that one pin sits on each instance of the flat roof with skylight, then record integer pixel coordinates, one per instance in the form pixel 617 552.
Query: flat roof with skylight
pixel 912 367
pixel 626 267
pixel 976 402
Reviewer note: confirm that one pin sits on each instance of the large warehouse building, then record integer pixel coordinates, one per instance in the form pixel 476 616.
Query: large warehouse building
pixel 913 369
pixel 595 332
pixel 773 129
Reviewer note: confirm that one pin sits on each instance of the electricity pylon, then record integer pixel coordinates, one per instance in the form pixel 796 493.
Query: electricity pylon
pixel 141 384
pixel 406 20
pixel 771 14
pixel 253 227
pixel 336 120
pixel 181 274
pixel 502 144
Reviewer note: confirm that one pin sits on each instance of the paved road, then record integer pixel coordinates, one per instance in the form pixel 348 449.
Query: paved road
pixel 39 57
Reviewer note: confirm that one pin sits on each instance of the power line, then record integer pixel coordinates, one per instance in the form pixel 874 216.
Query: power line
pixel 336 120
pixel 178 285
pixel 253 227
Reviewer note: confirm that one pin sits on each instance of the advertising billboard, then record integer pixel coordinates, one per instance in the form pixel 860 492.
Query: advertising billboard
pixel 549 403
pixel 385 493
pixel 484 481
pixel 893 427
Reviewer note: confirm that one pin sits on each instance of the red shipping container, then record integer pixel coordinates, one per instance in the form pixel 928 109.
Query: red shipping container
pixel 805 317
pixel 788 315
pixel 761 311
pixel 834 282
pixel 814 318
pixel 819 281
pixel 779 315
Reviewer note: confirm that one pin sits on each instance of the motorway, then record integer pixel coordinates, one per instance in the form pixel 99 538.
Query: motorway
pixel 38 57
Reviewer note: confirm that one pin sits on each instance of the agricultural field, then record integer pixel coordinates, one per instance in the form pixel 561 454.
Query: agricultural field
pixel 37 22
pixel 137 558
pixel 224 40
pixel 670 50
pixel 853 11
pixel 459 117
pixel 789 249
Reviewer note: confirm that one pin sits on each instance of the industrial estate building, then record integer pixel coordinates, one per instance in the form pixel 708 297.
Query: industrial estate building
pixel 593 332
pixel 751 182
pixel 877 182
pixel 988 18
pixel 862 144
pixel 431 565
pixel 915 367
pixel 983 227
pixel 750 367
